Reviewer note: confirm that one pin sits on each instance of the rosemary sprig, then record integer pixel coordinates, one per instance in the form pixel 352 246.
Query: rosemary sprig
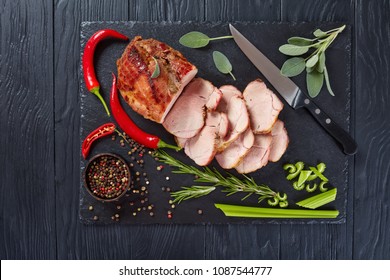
pixel 191 192
pixel 231 184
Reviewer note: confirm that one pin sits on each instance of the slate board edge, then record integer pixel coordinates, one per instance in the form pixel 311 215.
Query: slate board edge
pixel 340 220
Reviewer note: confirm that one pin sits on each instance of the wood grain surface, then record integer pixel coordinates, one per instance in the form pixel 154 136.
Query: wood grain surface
pixel 40 121
pixel 28 189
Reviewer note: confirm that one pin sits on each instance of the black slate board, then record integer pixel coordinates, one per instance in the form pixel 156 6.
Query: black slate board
pixel 308 141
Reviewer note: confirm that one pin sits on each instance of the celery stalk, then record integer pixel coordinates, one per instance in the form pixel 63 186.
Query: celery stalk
pixel 258 212
pixel 319 199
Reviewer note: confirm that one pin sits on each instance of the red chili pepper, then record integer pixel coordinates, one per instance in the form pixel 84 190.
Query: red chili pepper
pixel 88 67
pixel 101 131
pixel 128 126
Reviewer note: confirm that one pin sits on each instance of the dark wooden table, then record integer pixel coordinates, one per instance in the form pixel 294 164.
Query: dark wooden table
pixel 40 119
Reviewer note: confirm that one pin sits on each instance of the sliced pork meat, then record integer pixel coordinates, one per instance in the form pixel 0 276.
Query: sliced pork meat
pixel 263 106
pixel 233 105
pixel 237 150
pixel 181 142
pixel 280 141
pixel 152 97
pixel 257 157
pixel 187 116
pixel 203 147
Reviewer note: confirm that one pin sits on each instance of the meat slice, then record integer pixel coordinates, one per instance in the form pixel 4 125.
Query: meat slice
pixel 263 106
pixel 257 157
pixel 152 97
pixel 237 150
pixel 233 105
pixel 203 147
pixel 187 116
pixel 279 142
pixel 181 142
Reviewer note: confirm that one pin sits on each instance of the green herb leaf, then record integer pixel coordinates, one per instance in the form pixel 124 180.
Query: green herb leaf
pixel 191 192
pixel 312 61
pixel 258 212
pixel 222 63
pixel 293 67
pixel 300 41
pixel 156 71
pixel 321 62
pixel 309 69
pixel 320 34
pixel 314 81
pixel 315 62
pixel 293 50
pixel 229 183
pixel 327 82
pixel 194 40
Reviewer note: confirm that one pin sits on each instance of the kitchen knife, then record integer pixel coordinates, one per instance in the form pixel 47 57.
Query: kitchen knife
pixel 291 92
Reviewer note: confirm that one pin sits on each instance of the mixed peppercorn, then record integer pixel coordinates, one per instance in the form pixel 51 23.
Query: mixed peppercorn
pixel 107 177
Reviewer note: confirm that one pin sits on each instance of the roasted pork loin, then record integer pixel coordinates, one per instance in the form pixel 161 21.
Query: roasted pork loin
pixel 203 147
pixel 280 141
pixel 231 156
pixel 187 116
pixel 257 157
pixel 233 105
pixel 152 97
pixel 263 106
pixel 241 130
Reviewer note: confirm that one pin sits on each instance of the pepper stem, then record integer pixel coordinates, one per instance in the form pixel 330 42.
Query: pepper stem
pixel 162 144
pixel 95 91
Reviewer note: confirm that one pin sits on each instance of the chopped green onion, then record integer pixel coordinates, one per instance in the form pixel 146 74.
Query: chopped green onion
pixel 311 188
pixel 298 188
pixel 319 199
pixel 322 186
pixel 303 177
pixel 258 212
pixel 294 172
pixel 319 174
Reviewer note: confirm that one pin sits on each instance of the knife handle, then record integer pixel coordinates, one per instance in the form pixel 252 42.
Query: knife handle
pixel 349 145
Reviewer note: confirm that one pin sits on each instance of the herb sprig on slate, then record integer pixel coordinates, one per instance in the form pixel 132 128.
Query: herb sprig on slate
pixel 230 184
pixel 195 39
pixel 223 64
pixel 316 70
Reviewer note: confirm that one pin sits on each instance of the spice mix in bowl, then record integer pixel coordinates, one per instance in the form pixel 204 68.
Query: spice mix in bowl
pixel 107 177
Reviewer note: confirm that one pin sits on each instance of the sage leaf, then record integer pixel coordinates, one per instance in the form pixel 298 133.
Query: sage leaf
pixel 312 61
pixel 156 71
pixel 293 67
pixel 321 62
pixel 300 41
pixel 314 81
pixel 327 82
pixel 319 33
pixel 222 63
pixel 194 39
pixel 293 50
pixel 309 69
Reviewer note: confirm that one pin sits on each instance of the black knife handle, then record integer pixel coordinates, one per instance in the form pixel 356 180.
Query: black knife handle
pixel 349 145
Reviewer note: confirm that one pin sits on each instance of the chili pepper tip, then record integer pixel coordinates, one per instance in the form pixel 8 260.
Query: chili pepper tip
pixel 95 91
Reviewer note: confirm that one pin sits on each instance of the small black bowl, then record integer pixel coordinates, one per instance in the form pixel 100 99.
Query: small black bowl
pixel 107 177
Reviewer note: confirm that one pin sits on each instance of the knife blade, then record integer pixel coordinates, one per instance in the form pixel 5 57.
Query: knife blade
pixel 291 93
